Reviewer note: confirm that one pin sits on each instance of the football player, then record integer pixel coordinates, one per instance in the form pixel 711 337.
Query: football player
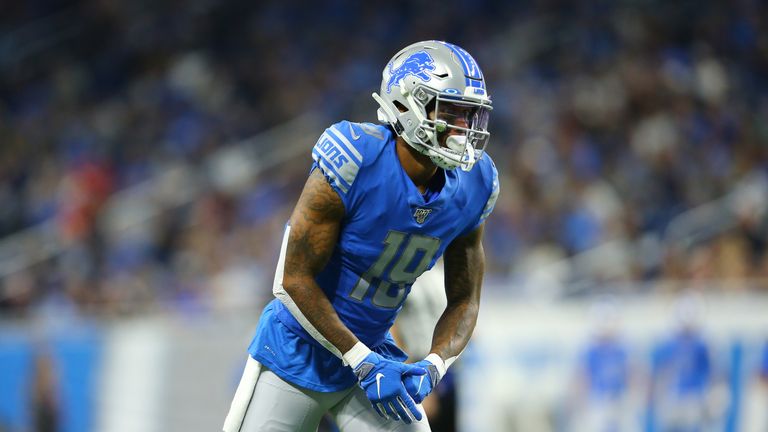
pixel 382 203
pixel 682 374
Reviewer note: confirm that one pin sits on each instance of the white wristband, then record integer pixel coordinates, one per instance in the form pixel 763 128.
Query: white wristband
pixel 356 354
pixel 439 364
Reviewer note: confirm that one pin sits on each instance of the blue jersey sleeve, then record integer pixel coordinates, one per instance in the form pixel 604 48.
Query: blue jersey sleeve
pixel 491 203
pixel 337 156
pixel 490 186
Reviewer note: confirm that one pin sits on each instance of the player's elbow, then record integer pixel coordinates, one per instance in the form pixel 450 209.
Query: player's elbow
pixel 295 284
pixel 473 310
pixel 469 305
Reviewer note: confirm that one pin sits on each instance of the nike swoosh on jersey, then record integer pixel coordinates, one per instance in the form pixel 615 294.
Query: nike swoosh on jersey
pixel 352 132
pixel 379 376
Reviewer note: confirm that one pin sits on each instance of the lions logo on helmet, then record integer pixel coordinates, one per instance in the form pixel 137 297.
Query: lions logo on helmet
pixel 416 64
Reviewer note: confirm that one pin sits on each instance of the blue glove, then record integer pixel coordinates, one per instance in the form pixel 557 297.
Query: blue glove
pixel 419 387
pixel 382 381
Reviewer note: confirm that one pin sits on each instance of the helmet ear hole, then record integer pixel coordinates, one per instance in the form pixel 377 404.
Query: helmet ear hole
pixel 430 107
pixel 400 107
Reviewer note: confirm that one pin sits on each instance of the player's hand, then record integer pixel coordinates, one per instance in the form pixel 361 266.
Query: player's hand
pixel 382 381
pixel 419 387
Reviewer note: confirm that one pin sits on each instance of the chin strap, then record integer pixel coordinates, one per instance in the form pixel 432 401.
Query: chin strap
pixel 459 143
pixel 456 143
pixel 468 159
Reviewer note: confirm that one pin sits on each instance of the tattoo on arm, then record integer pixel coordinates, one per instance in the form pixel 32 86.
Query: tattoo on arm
pixel 464 268
pixel 315 225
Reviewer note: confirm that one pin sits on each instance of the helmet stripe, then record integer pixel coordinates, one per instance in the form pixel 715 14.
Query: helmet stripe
pixel 473 76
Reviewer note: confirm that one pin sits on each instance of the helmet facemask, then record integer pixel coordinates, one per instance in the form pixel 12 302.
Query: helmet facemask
pixel 452 130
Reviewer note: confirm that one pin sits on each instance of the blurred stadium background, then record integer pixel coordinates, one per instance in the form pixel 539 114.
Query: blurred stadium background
pixel 150 152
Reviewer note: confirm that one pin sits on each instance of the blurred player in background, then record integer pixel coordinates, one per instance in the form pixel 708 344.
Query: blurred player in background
pixel 755 401
pixel 603 400
pixel 413 332
pixel 761 423
pixel 381 205
pixel 682 378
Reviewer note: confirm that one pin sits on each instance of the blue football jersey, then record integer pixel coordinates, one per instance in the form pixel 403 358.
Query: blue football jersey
pixel 764 362
pixel 390 235
pixel 606 365
pixel 683 360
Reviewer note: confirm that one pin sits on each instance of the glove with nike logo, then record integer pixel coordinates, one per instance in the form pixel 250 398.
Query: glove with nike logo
pixel 382 381
pixel 419 387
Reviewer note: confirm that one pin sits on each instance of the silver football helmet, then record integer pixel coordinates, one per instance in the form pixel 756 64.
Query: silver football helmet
pixel 433 95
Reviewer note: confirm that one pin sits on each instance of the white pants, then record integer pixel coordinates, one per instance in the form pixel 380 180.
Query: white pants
pixel 266 403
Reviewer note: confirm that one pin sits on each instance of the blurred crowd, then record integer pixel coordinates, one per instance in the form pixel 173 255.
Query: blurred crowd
pixel 613 122
pixel 638 127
